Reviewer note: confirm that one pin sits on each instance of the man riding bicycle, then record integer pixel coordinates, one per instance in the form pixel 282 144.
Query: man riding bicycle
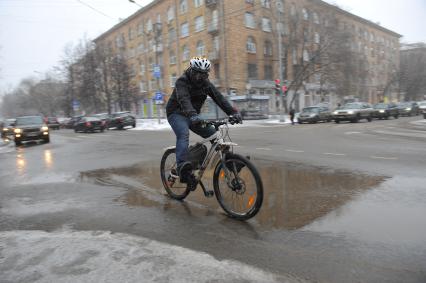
pixel 183 109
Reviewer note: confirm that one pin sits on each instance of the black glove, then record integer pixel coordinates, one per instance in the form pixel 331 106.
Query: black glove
pixel 236 118
pixel 195 119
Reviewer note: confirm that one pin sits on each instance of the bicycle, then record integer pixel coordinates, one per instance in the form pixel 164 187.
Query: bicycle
pixel 237 184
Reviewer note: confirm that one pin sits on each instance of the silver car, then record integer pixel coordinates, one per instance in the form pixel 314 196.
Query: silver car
pixel 353 112
pixel 422 107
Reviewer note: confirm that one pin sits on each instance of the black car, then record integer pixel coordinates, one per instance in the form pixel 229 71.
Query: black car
pixel 314 114
pixel 30 128
pixel 53 123
pixel 7 128
pixel 120 120
pixel 385 110
pixel 89 124
pixel 408 109
pixel 104 117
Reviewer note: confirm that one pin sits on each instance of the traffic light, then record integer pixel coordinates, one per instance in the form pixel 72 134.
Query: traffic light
pixel 277 87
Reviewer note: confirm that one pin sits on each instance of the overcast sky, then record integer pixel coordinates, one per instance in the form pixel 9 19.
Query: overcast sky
pixel 33 33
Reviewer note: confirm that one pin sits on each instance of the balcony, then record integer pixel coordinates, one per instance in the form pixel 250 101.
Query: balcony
pixel 214 55
pixel 211 3
pixel 213 27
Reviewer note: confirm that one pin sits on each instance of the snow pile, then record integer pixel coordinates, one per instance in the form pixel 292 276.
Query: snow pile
pixel 98 256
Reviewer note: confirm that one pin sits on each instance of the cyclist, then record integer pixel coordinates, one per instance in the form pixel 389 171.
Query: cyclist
pixel 183 109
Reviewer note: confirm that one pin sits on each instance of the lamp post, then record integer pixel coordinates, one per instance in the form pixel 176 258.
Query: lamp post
pixel 134 2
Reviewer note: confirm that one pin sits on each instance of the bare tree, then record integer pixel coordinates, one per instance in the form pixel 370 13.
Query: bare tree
pixel 412 74
pixel 121 83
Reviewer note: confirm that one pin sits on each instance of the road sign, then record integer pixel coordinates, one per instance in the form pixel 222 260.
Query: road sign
pixel 75 105
pixel 158 98
pixel 157 71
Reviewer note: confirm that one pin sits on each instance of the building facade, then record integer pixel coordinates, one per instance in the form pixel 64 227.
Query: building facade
pixel 241 38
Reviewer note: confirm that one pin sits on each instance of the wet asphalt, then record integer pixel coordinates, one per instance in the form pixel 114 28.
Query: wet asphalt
pixel 343 203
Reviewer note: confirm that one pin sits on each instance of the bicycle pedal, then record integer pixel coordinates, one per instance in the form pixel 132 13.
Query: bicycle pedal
pixel 209 194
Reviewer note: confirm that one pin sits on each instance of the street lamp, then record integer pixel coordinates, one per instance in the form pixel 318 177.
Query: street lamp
pixel 134 2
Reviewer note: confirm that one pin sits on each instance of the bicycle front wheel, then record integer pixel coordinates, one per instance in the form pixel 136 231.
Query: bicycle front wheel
pixel 168 171
pixel 241 196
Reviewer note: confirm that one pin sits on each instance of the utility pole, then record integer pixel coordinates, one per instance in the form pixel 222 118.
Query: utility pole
pixel 280 62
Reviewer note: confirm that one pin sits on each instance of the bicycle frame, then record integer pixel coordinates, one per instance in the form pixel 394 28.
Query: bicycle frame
pixel 219 147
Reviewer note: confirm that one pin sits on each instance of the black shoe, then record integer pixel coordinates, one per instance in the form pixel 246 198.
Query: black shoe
pixel 192 182
pixel 185 172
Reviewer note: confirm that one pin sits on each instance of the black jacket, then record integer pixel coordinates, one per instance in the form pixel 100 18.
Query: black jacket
pixel 187 99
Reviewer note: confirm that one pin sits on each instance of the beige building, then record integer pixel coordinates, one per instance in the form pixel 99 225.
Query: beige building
pixel 241 38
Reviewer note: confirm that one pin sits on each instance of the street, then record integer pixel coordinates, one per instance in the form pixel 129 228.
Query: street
pixel 342 203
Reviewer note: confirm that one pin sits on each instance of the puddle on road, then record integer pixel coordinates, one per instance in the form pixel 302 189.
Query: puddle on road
pixel 294 195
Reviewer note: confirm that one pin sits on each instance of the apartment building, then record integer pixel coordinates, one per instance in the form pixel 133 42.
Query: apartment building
pixel 241 38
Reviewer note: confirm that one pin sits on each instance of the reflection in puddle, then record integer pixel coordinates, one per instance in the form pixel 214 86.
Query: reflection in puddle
pixel 21 163
pixel 294 196
pixel 48 158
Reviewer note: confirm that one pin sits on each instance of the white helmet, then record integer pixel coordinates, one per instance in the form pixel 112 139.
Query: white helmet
pixel 200 64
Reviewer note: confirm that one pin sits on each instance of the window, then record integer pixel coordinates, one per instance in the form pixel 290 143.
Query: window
pixel 172 35
pixel 316 18
pixel 170 13
pixel 305 55
pixel 158 18
pixel 149 26
pixel 140 29
pixel 266 25
pixel 317 38
pixel 267 48
pixel 251 45
pixel 173 79
pixel 199 23
pixel 266 3
pixel 131 33
pixel 198 3
pixel 183 6
pixel 142 86
pixel 184 30
pixel 293 10
pixel 268 72
pixel 216 68
pixel 172 58
pixel 185 53
pixel 151 64
pixel 249 20
pixel 305 14
pixel 200 49
pixel 252 71
pixel 216 43
pixel 141 48
pixel 294 55
pixel 142 68
pixel 151 84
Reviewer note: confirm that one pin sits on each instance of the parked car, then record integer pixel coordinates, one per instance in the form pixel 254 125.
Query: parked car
pixel 70 124
pixel 104 117
pixel 7 128
pixel 89 124
pixel 353 112
pixel 408 109
pixel 314 114
pixel 422 108
pixel 120 120
pixel 30 128
pixel 385 110
pixel 63 121
pixel 53 123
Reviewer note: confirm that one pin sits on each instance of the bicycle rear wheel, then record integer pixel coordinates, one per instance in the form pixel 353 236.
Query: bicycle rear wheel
pixel 168 171
pixel 243 196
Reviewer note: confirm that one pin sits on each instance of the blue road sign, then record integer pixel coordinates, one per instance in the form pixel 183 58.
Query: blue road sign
pixel 157 71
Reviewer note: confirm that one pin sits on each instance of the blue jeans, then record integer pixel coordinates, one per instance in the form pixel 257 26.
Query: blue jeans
pixel 181 126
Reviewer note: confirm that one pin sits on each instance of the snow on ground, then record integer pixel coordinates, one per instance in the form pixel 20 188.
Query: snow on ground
pixel 155 124
pixel 99 256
